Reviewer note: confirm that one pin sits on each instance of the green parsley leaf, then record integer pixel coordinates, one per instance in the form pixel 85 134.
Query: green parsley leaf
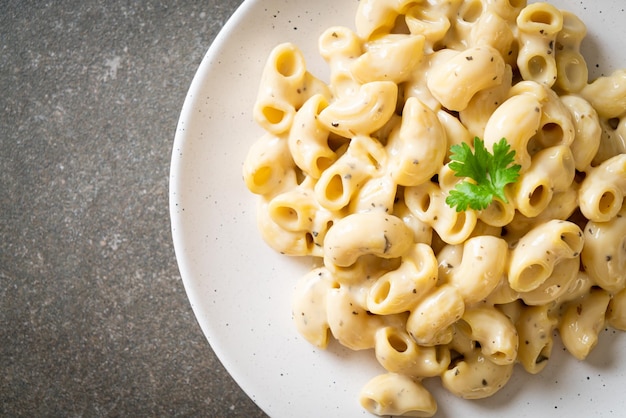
pixel 489 172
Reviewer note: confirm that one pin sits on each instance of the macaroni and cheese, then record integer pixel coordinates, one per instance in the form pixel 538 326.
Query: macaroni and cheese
pixel 355 172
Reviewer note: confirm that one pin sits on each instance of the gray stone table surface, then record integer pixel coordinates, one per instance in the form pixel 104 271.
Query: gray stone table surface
pixel 94 319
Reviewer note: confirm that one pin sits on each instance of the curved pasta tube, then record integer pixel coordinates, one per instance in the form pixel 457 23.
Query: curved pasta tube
pixel 397 352
pixel 349 323
pixel 588 131
pixel 297 210
pixel 582 322
pixel 604 254
pixel 339 46
pixel 556 285
pixel 572 32
pixel 430 22
pixel 551 171
pixel 538 25
pixel 427 203
pixel 268 166
pixel 476 268
pixel 518 120
pixel 498 213
pixel 480 108
pixel 397 394
pixel 285 86
pixel 556 126
pixel 362 113
pixel 308 306
pixel 399 290
pixel 535 326
pixel 363 159
pixel 601 194
pixel 494 331
pixel 391 57
pixel 532 261
pixel 616 313
pixel 358 234
pixel 377 193
pixel 572 71
pixel 294 243
pixel 429 321
pixel 613 140
pixel 273 115
pixel 308 139
pixel 338 42
pixel 457 80
pixel 417 148
pixel 607 94
pixel 475 376
pixel 492 29
pixel 375 17
pixel 561 206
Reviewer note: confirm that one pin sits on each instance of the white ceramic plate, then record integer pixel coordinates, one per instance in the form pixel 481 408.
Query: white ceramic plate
pixel 240 289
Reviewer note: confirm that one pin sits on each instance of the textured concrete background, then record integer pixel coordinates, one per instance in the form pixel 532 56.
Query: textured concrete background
pixel 94 320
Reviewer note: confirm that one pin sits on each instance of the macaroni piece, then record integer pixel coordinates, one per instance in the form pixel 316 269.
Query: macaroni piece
pixel 391 57
pixel 427 202
pixel 417 147
pixel 308 138
pixel 399 290
pixel 495 333
pixel 430 320
pixel 397 394
pixel 603 256
pixel 355 172
pixel 473 375
pixel 582 321
pixel 551 171
pixel 572 71
pixel 538 25
pixel 397 352
pixel 602 192
pixel 458 79
pixel 588 131
pixel 475 268
pixel 286 85
pixel 535 325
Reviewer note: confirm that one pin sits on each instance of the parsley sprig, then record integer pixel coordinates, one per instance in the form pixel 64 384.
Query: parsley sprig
pixel 489 172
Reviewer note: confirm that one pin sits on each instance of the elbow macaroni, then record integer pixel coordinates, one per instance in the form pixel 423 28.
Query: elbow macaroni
pixel 538 25
pixel 355 173
pixel 417 147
